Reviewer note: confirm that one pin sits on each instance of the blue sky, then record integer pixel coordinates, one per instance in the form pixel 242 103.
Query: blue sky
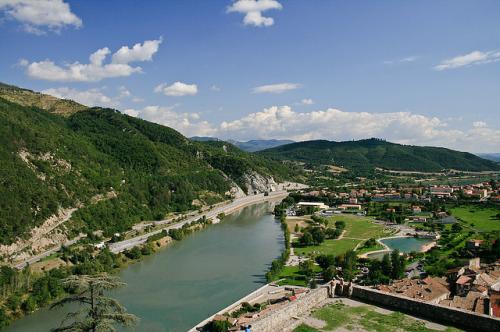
pixel 414 72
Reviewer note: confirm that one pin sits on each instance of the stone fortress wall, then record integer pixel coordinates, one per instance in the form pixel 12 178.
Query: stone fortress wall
pixel 435 312
pixel 284 319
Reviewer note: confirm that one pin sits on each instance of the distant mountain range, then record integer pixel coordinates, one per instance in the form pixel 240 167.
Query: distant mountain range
pixel 371 153
pixel 249 146
pixel 490 156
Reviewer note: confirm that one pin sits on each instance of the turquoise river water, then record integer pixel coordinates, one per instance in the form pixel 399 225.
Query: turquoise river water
pixel 181 285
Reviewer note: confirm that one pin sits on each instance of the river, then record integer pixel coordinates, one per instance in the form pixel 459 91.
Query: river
pixel 190 280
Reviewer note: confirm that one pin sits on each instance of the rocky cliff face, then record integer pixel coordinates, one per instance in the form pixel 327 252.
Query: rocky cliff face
pixel 256 183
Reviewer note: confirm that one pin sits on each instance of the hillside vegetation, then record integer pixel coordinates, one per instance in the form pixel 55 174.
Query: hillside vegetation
pixel 371 153
pixel 49 103
pixel 121 169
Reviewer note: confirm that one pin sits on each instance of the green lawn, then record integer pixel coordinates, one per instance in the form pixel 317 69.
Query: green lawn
pixel 365 318
pixel 363 250
pixel 481 219
pixel 333 247
pixel 293 277
pixel 359 227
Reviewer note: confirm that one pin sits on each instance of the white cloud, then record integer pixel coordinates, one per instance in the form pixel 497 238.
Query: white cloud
pixel 124 92
pixel 215 88
pixel 38 14
pixel 276 88
pixel 473 58
pixel 188 124
pixel 412 58
pixel 479 124
pixel 132 112
pixel 138 52
pixel 90 97
pixel 253 10
pixel 96 70
pixel 307 101
pixel 177 89
pixel 281 122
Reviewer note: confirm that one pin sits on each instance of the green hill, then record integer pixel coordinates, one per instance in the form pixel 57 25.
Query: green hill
pixel 371 153
pixel 143 170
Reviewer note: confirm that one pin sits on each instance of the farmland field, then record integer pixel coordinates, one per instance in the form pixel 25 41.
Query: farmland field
pixel 481 219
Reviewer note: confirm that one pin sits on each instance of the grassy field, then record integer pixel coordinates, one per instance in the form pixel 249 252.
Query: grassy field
pixel 359 227
pixel 293 277
pixel 365 318
pixel 363 250
pixel 329 247
pixel 301 221
pixel 480 219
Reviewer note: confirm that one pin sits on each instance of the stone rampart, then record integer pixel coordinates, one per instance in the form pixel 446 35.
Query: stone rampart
pixel 278 320
pixel 435 312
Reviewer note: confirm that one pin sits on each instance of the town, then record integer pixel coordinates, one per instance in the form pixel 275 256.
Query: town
pixel 437 244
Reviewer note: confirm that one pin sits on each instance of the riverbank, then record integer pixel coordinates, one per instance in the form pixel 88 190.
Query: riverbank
pixel 117 260
pixel 227 209
pixel 191 279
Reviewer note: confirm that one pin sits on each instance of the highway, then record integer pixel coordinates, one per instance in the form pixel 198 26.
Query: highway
pixel 47 253
pixel 226 209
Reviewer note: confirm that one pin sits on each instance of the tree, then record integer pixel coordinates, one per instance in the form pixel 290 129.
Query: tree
pixel 100 313
pixel 398 265
pixel 307 268
pixel 297 228
pixel 386 265
pixel 324 261
pixel 340 224
pixel 306 239
pixel 332 233
pixel 329 273
pixel 318 235
pixel 456 227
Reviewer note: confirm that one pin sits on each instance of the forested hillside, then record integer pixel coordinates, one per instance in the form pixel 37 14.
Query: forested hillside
pixel 120 169
pixel 370 153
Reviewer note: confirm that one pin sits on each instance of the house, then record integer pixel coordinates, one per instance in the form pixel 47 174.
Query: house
pixel 463 285
pixel 494 293
pixel 473 301
pixel 353 200
pixel 441 191
pixel 482 193
pixel 349 207
pixel 441 214
pixel 432 290
pixel 416 209
pixel 317 205
pixel 418 219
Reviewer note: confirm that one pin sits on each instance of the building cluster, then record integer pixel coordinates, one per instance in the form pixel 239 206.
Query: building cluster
pixel 474 288
pixel 481 191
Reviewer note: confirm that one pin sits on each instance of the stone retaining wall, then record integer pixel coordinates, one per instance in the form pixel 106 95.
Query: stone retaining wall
pixel 438 313
pixel 277 320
